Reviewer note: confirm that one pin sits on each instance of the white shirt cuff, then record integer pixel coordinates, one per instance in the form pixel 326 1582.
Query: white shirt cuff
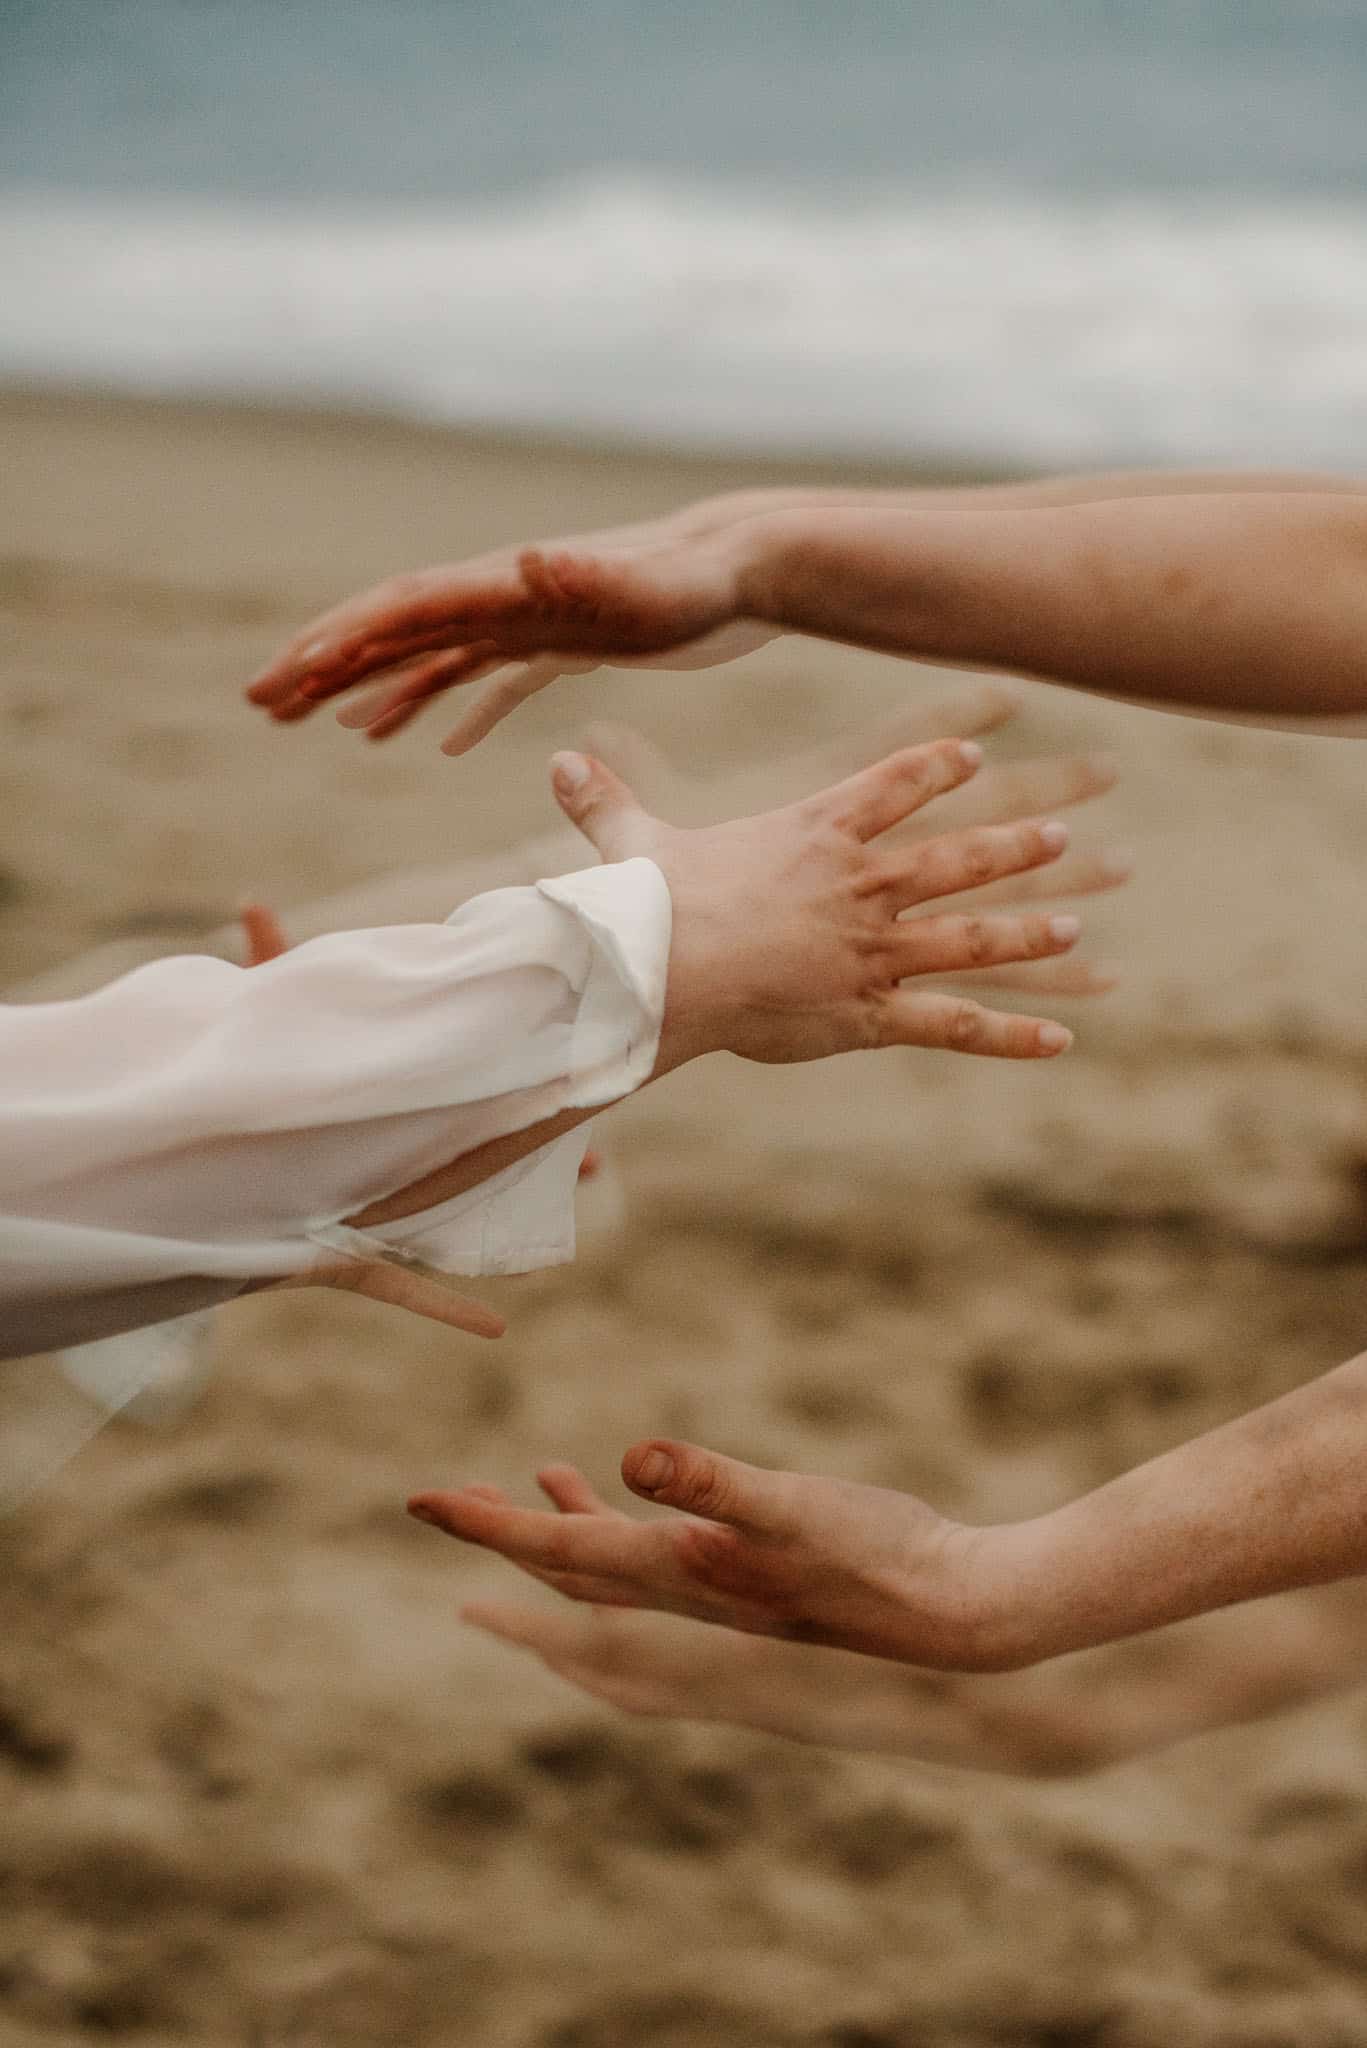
pixel 523 1218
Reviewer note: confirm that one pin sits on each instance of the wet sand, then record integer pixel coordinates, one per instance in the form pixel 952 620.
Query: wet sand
pixel 258 1783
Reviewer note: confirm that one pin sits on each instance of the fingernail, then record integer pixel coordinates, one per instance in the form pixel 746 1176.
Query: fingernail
pixel 1053 1038
pixel 970 753
pixel 1054 835
pixel 1119 862
pixel 1064 929
pixel 569 772
pixel 422 1514
pixel 655 1470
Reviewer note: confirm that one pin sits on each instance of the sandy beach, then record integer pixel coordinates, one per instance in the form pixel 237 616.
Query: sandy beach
pixel 258 1784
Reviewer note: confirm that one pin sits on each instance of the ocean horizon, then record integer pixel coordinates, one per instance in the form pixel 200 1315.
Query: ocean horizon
pixel 935 234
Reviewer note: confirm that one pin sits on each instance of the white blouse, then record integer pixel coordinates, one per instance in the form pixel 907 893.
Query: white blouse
pixel 196 1128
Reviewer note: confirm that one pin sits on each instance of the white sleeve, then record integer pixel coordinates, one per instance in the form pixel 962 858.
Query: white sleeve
pixel 196 1127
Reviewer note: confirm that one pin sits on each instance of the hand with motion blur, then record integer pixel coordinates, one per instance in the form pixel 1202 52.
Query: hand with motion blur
pixel 1245 595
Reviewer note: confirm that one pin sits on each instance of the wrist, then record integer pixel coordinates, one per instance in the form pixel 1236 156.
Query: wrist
pixel 695 1018
pixel 763 549
pixel 707 516
pixel 999 1596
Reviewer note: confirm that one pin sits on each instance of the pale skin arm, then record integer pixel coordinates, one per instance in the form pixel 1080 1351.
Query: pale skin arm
pixel 708 515
pixel 1239 604
pixel 1193 590
pixel 1264 1505
pixel 1060 1719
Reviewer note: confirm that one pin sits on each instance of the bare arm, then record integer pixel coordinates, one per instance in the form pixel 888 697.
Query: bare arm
pixel 1242 595
pixel 1074 1715
pixel 1248 603
pixel 1272 1502
pixel 709 515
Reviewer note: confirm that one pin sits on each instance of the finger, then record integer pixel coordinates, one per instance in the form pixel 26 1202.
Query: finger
pixel 571 1492
pixel 400 1287
pixel 403 695
pixel 325 667
pixel 969 712
pixel 587 1648
pixel 632 756
pixel 262 933
pixel 1078 874
pixel 1023 789
pixel 550 1632
pixel 591 1165
pixel 966 860
pixel 705 1483
pixel 360 711
pixel 763 785
pixel 500 699
pixel 958 1024
pixel 610 1546
pixel 562 580
pixel 597 804
pixel 398 620
pixel 950 945
pixel 1047 978
pixel 879 797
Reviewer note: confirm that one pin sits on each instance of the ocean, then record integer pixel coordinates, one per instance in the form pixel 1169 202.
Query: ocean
pixel 1053 231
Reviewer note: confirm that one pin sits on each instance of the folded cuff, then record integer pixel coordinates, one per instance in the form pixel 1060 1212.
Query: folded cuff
pixel 523 1218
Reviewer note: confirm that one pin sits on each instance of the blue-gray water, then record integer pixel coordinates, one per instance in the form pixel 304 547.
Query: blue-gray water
pixel 1032 230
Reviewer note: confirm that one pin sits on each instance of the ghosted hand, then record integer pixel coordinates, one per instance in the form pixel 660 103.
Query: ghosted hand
pixel 769 1553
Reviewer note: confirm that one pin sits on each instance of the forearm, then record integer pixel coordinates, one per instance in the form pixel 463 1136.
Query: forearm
pixel 711 515
pixel 1271 1502
pixel 1252 603
pixel 204 1124
pixel 1087 1712
pixel 683 1036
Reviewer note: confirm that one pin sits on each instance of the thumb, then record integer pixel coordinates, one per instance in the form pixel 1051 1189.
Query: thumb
pixel 705 1483
pixel 628 752
pixel 601 806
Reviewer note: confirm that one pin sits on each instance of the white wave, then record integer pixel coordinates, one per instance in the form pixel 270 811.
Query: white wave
pixel 983 326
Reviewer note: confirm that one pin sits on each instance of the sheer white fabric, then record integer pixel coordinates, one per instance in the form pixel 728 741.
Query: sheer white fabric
pixel 197 1128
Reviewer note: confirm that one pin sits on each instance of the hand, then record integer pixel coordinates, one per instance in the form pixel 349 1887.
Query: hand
pixel 768 1553
pixel 662 1667
pixel 660 594
pixel 790 941
pixel 1000 794
pixel 1058 1719
pixel 264 940
pixel 787 940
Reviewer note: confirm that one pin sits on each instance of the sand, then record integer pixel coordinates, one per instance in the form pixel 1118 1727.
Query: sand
pixel 259 1785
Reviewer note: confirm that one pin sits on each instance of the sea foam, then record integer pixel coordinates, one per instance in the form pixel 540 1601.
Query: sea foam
pixel 973 326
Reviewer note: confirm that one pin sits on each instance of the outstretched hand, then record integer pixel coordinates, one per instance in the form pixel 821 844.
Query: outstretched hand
pixel 791 938
pixel 769 1553
pixel 1002 793
pixel 659 594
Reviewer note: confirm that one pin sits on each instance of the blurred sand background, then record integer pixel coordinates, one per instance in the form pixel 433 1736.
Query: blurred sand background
pixel 258 1785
